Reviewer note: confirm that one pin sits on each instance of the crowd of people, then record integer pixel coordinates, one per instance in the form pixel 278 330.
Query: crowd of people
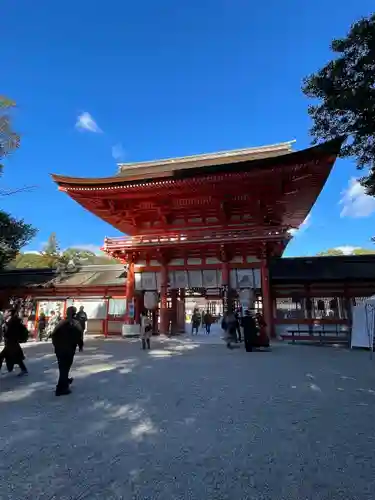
pixel 253 329
pixel 66 334
pixel 237 328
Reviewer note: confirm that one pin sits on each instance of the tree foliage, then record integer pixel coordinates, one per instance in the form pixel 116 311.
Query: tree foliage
pixel 356 251
pixel 9 140
pixel 345 89
pixel 14 234
pixel 28 261
pixel 51 252
pixel 330 252
pixel 52 257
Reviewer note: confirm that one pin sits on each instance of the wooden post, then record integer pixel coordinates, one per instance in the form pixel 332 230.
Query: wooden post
pixel 139 306
pixel 164 317
pixel 267 299
pixel 130 284
pixel 105 322
pixel 225 281
pixel 183 315
pixel 174 324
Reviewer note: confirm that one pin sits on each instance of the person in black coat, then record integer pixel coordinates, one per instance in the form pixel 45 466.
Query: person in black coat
pixel 250 331
pixel 65 338
pixel 14 333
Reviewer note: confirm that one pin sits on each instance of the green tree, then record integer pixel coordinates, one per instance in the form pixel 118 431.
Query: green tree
pixel 9 140
pixel 86 257
pixel 330 252
pixel 345 89
pixel 355 251
pixel 51 252
pixel 14 234
pixel 79 256
pixel 28 261
pixel 363 251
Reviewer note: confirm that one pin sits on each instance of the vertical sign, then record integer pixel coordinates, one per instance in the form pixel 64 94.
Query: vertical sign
pixel 131 309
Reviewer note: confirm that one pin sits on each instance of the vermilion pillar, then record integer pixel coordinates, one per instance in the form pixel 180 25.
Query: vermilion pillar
pixel 130 285
pixel 225 282
pixel 174 300
pixel 164 317
pixel 182 318
pixel 139 306
pixel 267 299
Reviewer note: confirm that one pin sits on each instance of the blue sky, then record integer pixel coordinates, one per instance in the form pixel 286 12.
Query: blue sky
pixel 164 79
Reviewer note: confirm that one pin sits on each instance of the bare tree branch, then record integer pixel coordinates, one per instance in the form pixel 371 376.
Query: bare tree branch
pixel 9 192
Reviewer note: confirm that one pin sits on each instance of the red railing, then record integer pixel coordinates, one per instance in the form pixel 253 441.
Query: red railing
pixel 191 237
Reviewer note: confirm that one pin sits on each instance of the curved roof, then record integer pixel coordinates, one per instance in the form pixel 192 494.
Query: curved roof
pixel 166 167
pixel 238 160
pixel 278 190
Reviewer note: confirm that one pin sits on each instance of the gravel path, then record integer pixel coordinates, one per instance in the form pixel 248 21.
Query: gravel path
pixel 190 421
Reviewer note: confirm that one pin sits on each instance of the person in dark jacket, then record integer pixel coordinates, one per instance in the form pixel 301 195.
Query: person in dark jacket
pixel 81 316
pixel 14 333
pixel 42 325
pixel 250 331
pixel 65 338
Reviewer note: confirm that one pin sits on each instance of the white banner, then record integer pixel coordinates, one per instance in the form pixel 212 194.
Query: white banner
pixel 233 278
pixel 195 279
pixel 138 281
pixel 257 282
pixel 180 279
pixel 210 278
pixel 149 281
pixel 245 278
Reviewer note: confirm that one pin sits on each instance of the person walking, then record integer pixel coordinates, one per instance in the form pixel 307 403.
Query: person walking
pixel 238 326
pixel 208 320
pixel 66 336
pixel 146 330
pixel 54 320
pixel 15 332
pixel 250 331
pixel 195 321
pixel 81 317
pixel 263 339
pixel 1 326
pixel 42 324
pixel 229 325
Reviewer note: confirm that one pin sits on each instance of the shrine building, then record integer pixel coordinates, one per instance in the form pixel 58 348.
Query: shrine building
pixel 205 225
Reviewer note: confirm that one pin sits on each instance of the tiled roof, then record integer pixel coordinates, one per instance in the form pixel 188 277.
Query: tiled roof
pixel 26 278
pixel 352 267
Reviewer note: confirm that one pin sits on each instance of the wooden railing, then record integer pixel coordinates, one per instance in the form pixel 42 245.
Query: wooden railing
pixel 191 237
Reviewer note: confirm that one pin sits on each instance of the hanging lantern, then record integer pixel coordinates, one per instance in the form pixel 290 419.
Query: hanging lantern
pixel 150 300
pixel 247 298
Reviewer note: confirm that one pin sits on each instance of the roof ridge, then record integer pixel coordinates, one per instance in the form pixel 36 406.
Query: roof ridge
pixel 208 156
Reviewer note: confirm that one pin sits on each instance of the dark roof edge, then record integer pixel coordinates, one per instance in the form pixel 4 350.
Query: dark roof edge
pixel 331 147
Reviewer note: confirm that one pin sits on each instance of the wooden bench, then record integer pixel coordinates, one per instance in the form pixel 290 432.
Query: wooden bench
pixel 315 335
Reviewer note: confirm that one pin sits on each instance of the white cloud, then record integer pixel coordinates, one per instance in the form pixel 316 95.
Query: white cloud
pixel 346 249
pixel 118 152
pixel 86 122
pixel 305 224
pixel 356 203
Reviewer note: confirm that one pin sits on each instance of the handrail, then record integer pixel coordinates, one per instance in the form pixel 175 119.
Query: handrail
pixel 191 237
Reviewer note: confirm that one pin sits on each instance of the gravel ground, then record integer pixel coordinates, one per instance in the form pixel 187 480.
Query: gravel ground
pixel 190 421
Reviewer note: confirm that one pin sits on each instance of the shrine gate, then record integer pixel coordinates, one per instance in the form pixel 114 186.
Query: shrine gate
pixel 205 223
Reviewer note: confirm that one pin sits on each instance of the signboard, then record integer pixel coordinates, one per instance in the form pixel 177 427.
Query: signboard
pixel 131 309
pixel 130 330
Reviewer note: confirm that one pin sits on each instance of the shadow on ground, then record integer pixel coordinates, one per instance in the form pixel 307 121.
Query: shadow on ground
pixel 187 420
